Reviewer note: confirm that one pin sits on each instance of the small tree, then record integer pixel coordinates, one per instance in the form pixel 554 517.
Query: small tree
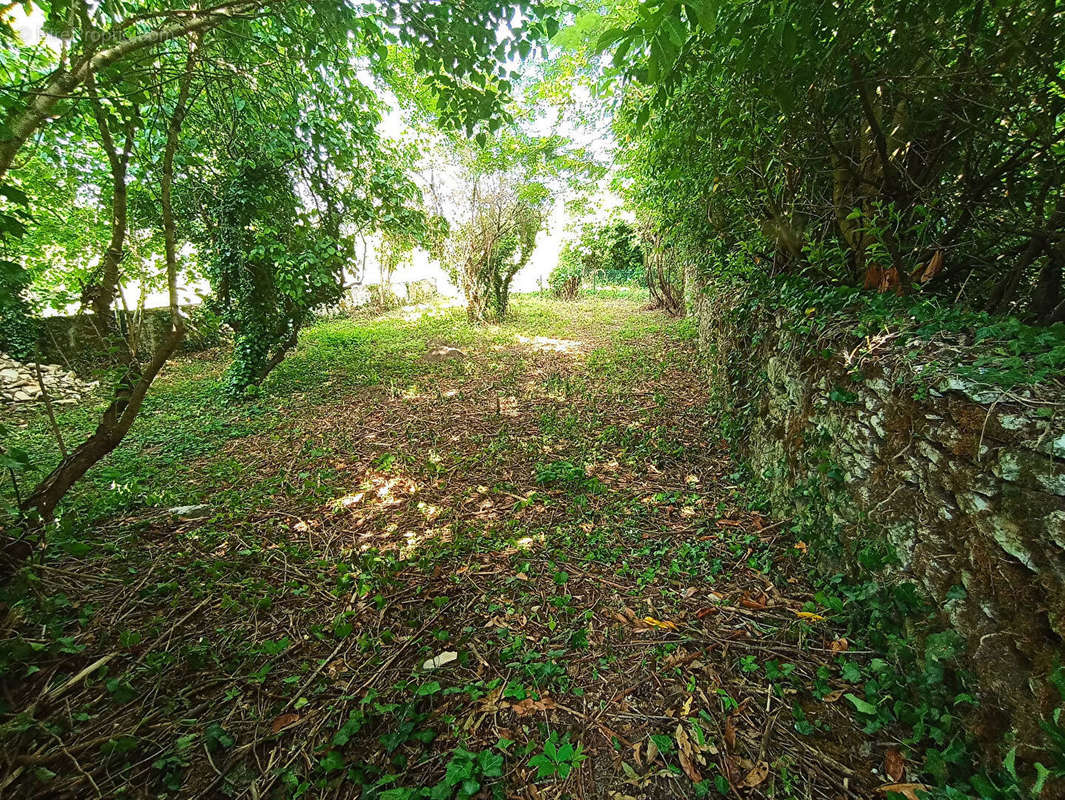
pixel 506 194
pixel 173 61
pixel 394 248
pixel 565 278
pixel 496 244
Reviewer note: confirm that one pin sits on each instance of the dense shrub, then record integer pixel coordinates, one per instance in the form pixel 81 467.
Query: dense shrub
pixel 884 146
pixel 605 253
pixel 565 279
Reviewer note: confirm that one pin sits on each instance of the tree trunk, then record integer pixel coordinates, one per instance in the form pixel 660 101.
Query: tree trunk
pixel 1006 289
pixel 134 384
pixel 1047 295
pixel 116 422
pixel 100 296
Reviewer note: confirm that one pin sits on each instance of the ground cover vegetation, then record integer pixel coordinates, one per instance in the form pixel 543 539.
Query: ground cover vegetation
pixel 506 549
pixel 271 184
pixel 555 513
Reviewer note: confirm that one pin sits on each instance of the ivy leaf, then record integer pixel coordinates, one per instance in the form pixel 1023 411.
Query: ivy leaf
pixel 331 762
pixel 862 706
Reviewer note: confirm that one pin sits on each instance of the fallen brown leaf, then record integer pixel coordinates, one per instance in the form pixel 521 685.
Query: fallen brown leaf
pixel 758 773
pixel 753 602
pixel 730 734
pixel 907 790
pixel 689 768
pixel 652 751
pixel 529 706
pixel 935 266
pixel 665 625
pixel 283 721
pixel 873 276
pixel 894 764
pixel 889 279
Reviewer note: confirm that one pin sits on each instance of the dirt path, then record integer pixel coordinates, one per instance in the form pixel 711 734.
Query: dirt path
pixel 528 572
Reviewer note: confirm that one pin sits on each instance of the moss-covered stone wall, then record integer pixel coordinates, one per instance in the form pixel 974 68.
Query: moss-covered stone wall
pixel 965 485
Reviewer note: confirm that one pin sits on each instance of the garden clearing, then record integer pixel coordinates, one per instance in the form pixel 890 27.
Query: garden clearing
pixel 527 566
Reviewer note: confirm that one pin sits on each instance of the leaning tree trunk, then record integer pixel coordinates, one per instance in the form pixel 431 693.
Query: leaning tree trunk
pixel 133 386
pixel 116 422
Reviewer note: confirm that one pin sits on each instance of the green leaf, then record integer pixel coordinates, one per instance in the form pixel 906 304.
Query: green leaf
pixel 1010 763
pixel 1041 776
pixel 662 742
pixel 331 762
pixel 705 13
pixel 490 764
pixel 676 32
pixel 863 706
pixel 610 36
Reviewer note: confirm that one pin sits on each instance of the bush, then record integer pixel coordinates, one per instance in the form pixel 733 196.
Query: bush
pixel 383 297
pixel 421 291
pixel 605 253
pixel 565 279
pixel 887 146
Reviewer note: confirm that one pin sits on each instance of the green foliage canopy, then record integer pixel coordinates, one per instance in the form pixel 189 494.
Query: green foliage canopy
pixel 878 145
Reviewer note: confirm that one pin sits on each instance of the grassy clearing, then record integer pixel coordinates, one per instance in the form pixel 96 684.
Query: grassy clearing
pixel 527 572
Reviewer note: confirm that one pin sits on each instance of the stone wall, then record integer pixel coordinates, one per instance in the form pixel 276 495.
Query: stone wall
pixel 74 341
pixel 966 485
pixel 20 384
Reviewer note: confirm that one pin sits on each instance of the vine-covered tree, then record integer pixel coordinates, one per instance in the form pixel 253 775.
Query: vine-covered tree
pixel 281 205
pixel 494 244
pixel 131 89
pixel 505 190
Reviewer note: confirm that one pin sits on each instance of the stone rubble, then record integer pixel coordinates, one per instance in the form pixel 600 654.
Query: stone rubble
pixel 20 387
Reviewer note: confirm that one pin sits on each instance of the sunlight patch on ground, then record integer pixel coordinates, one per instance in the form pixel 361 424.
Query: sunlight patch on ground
pixel 435 309
pixel 386 490
pixel 543 344
pixel 412 540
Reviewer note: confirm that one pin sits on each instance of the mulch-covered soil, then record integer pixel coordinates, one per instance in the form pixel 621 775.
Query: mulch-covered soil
pixel 537 554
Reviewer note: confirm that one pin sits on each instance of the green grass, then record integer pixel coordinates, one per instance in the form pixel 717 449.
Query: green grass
pixel 556 509
pixel 180 450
